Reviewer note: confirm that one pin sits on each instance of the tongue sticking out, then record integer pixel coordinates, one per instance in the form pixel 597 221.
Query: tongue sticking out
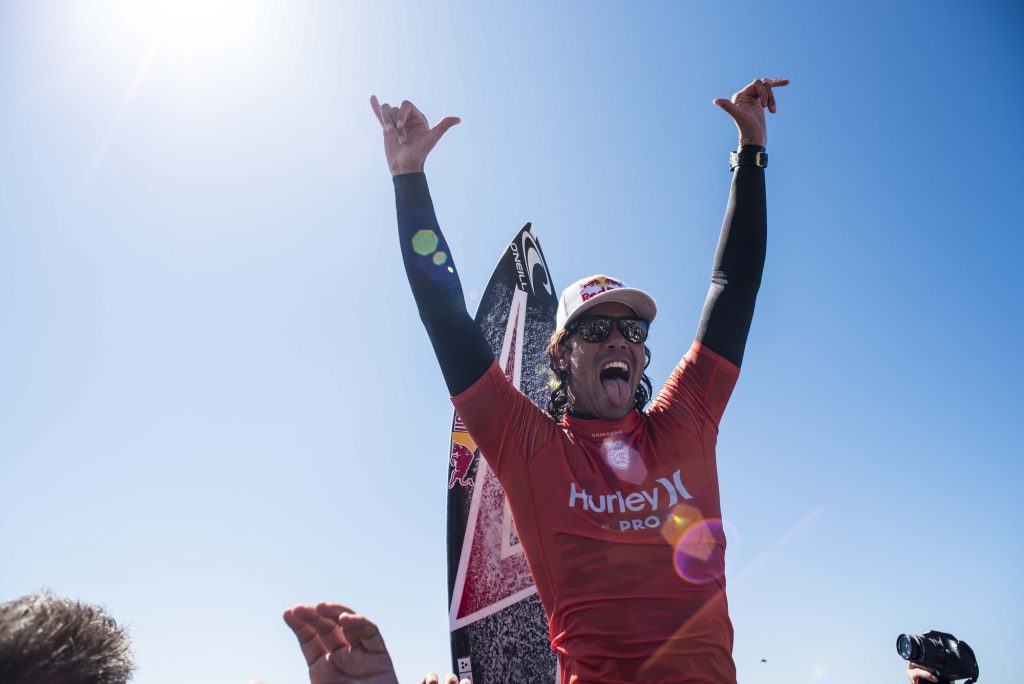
pixel 615 381
pixel 617 389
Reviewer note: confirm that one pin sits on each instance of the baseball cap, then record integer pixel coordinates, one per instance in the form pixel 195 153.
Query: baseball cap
pixel 586 293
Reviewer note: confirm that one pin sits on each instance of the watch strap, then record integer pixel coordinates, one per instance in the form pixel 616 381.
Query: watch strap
pixel 748 155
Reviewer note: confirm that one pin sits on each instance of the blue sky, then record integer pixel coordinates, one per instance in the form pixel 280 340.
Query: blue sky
pixel 216 399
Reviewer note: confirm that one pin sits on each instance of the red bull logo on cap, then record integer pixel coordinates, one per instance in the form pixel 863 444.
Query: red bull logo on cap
pixel 596 286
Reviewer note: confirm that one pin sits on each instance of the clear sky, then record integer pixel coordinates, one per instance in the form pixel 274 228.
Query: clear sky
pixel 216 398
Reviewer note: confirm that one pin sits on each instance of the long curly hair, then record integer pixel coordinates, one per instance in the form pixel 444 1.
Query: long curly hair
pixel 558 379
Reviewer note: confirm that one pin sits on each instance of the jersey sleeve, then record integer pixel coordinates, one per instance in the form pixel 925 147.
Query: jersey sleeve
pixel 697 391
pixel 738 265
pixel 460 347
pixel 506 426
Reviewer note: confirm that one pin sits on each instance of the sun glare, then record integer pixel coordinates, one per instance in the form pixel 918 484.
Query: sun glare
pixel 200 27
pixel 184 30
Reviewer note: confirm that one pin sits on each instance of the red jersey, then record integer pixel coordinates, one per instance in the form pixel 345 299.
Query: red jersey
pixel 620 522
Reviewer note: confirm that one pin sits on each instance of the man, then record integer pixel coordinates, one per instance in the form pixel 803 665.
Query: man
pixel 618 510
pixel 47 639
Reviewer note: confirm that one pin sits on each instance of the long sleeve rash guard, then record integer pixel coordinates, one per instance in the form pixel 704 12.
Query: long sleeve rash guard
pixel 461 349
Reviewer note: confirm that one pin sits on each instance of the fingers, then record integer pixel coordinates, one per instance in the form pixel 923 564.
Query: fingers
pixel 429 679
pixel 298 620
pixel 404 111
pixel 765 86
pixel 442 127
pixel 917 674
pixel 758 91
pixel 332 610
pixel 361 631
pixel 730 109
pixel 393 119
pixel 390 116
pixel 763 92
pixel 375 106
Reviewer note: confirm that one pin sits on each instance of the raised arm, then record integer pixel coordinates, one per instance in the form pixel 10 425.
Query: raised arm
pixel 461 349
pixel 739 259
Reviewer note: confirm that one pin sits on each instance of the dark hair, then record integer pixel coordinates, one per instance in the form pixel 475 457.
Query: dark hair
pixel 558 403
pixel 52 638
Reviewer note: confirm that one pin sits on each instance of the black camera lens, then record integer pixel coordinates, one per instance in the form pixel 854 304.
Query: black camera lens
pixel 906 647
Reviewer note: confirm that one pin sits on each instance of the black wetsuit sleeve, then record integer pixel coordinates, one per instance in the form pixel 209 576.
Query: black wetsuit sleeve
pixel 460 347
pixel 739 261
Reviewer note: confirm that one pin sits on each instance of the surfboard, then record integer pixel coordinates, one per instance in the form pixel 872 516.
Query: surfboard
pixel 498 629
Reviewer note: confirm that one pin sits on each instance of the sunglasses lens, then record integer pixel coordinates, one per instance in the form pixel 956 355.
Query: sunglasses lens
pixel 633 329
pixel 596 329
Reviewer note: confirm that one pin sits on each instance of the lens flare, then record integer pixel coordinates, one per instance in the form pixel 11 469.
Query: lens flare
pixel 424 242
pixel 700 547
pixel 440 258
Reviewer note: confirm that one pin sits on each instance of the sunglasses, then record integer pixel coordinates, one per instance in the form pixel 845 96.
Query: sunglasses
pixel 598 328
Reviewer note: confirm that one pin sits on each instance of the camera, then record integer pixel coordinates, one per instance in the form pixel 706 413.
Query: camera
pixel 942 653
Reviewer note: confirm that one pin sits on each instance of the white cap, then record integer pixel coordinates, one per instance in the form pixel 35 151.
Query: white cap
pixel 588 292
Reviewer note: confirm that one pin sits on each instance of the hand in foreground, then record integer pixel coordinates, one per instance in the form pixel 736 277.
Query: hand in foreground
pixel 747 108
pixel 408 138
pixel 917 674
pixel 449 679
pixel 340 646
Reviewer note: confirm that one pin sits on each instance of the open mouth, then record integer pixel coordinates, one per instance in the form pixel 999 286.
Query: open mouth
pixel 615 380
pixel 616 370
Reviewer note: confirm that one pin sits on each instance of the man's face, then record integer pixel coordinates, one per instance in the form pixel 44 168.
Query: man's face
pixel 598 384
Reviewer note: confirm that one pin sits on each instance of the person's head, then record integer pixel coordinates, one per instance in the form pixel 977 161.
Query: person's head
pixel 46 639
pixel 597 354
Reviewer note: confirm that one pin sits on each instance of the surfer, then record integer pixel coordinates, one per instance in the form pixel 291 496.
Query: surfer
pixel 617 507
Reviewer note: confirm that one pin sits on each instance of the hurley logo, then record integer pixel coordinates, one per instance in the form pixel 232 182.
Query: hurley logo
pixel 667 495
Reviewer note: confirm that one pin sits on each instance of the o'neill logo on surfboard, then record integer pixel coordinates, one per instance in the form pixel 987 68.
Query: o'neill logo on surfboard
pixel 533 259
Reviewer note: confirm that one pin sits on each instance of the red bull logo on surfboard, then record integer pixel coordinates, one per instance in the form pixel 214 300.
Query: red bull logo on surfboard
pixel 461 459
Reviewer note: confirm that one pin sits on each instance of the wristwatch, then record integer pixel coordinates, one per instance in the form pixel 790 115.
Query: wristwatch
pixel 748 157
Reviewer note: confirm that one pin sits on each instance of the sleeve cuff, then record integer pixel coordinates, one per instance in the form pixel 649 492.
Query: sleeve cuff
pixel 411 190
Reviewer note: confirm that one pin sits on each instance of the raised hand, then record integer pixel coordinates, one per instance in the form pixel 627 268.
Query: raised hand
pixel 747 108
pixel 340 647
pixel 408 138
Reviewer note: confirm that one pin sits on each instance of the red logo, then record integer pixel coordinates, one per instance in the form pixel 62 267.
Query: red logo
pixel 596 286
pixel 461 459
